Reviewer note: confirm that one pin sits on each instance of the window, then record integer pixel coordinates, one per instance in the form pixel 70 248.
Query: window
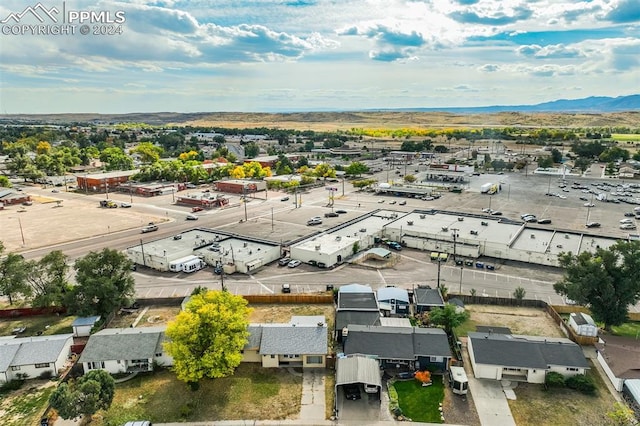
pixel 273 356
pixel 43 365
pixel 15 368
pixel 158 355
pixel 96 365
pixel 291 356
pixel 435 359
pixel 314 359
pixel 572 369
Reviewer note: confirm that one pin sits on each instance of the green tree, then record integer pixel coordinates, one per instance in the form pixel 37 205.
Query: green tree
pixel 103 283
pixel 605 280
pixel 47 279
pixel 84 397
pixel 12 275
pixel 556 155
pixel 324 170
pixel 5 182
pixel 519 294
pixel 545 162
pixel 621 415
pixel 116 159
pixel 409 178
pixel 148 152
pixel 582 163
pixel 448 317
pixel 356 168
pixel 206 338
pixel 251 150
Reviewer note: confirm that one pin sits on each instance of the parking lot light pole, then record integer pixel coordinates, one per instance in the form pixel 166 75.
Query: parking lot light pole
pixel 244 200
pixel 439 263
pixel 461 272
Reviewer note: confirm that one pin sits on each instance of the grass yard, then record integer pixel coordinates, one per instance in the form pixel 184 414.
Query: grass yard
pixel 529 321
pixel 628 329
pixel 252 393
pixel 562 406
pixel 420 404
pixel 58 324
pixel 26 405
pixel 625 137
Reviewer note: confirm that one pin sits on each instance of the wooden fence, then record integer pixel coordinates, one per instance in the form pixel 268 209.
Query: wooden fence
pixel 31 312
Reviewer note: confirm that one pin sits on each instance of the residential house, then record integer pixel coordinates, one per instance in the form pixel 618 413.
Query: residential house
pixel 32 357
pixel 357 304
pixel 82 325
pixel 400 347
pixel 427 298
pixel 620 358
pixel 125 350
pixel 302 342
pixel 394 300
pixel 523 358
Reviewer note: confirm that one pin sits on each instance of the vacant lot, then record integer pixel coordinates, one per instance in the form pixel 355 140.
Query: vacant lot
pixel 528 321
pixel 151 317
pixel 26 405
pixel 252 392
pixel 535 406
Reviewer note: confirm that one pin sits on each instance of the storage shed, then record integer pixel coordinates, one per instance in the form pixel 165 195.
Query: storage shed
pixel 583 324
pixel 82 326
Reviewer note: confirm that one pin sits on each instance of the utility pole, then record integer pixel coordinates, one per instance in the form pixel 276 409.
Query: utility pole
pixel 271 219
pixel 244 199
pixel 439 263
pixel 144 262
pixel 21 231
pixel 455 236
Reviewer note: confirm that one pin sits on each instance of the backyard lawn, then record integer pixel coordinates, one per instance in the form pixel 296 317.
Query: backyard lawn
pixel 628 329
pixel 246 395
pixel 26 405
pixel 45 324
pixel 420 403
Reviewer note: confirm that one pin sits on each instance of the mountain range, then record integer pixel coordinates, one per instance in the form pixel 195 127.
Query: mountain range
pixel 590 104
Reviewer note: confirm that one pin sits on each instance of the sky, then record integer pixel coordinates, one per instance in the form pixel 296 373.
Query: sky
pixel 311 55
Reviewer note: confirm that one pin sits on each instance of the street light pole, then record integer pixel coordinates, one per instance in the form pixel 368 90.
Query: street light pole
pixel 461 271
pixel 244 199
pixel 21 231
pixel 439 263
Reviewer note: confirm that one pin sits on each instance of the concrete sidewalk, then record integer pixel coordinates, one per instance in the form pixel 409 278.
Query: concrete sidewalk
pixel 491 402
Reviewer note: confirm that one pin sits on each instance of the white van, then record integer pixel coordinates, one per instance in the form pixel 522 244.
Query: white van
pixel 458 380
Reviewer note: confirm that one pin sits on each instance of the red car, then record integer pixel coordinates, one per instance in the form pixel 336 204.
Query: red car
pixel 196 209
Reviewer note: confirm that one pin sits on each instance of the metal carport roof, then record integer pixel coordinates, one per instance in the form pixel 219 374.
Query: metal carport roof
pixel 357 369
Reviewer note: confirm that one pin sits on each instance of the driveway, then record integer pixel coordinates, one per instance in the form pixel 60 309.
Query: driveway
pixel 491 402
pixel 312 404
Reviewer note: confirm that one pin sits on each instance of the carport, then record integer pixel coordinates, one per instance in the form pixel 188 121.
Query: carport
pixel 357 369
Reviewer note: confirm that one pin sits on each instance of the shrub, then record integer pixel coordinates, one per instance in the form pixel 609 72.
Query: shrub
pixel 393 398
pixel 11 386
pixel 554 380
pixel 46 375
pixel 581 383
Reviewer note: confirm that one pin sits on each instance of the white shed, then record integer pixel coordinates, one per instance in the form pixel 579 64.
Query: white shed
pixel 583 324
pixel 82 325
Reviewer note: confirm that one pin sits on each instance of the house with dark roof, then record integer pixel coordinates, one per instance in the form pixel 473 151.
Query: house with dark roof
pixel 620 358
pixel 396 347
pixel 125 350
pixel 427 298
pixel 302 342
pixel 33 356
pixel 523 358
pixel 357 304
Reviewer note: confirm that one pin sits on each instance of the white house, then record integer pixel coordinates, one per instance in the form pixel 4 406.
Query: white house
pixel 583 324
pixel 33 356
pixel 124 350
pixel 302 342
pixel 82 325
pixel 523 358
pixel 395 299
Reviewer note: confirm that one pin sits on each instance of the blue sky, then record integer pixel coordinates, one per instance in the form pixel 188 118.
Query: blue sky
pixel 290 55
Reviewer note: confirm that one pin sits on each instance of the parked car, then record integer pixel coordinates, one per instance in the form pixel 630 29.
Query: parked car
pixel 286 288
pixel 322 265
pixel 629 214
pixel 314 221
pixel 149 228
pixel 496 213
pixel 589 205
pixel 490 267
pixel 544 221
pixel 468 262
pixel 402 203
pixel 192 217
pixel 284 199
pixel 125 205
pixel 284 261
pixel 406 375
pixel 294 263
pixel 331 214
pixel 380 201
pixel 392 202
pixel 593 225
pixel 341 211
pixel 196 209
pixel 351 392
pixel 627 226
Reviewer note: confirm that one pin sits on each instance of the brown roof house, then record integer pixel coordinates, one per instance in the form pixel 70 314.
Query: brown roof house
pixel 620 359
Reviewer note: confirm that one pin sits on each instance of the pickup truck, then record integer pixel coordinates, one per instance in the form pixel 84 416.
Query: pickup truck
pixel 149 228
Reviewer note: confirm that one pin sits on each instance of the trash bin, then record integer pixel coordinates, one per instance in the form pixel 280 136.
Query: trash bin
pixel 329 287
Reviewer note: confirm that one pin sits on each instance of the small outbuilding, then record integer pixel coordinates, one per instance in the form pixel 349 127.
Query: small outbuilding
pixel 583 324
pixel 358 369
pixel 397 300
pixel 82 326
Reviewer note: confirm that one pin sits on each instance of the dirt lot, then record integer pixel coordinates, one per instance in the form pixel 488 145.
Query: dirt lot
pixel 26 405
pixel 528 321
pixel 154 316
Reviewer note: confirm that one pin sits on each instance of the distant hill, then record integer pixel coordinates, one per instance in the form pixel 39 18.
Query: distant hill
pixel 590 104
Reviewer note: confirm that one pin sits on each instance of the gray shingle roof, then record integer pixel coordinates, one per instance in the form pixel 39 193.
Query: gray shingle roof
pixel 357 301
pixel 255 335
pixel 525 351
pixel 428 296
pixel 345 318
pixel 383 342
pixel 31 350
pixel 283 339
pixel 431 342
pixel 123 344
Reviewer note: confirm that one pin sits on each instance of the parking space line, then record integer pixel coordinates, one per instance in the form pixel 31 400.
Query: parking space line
pixel 174 292
pixel 161 290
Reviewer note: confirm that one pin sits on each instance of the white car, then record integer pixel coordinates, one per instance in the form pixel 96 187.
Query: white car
pixel 627 226
pixel 589 205
pixel 294 263
pixel 192 217
pixel 623 221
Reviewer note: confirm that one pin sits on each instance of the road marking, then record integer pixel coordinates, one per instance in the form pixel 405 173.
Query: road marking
pixel 161 290
pixel 382 277
pixel 174 292
pixel 147 293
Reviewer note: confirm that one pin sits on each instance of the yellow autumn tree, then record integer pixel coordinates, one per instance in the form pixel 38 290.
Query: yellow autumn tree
pixel 206 339
pixel 238 172
pixel 43 147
